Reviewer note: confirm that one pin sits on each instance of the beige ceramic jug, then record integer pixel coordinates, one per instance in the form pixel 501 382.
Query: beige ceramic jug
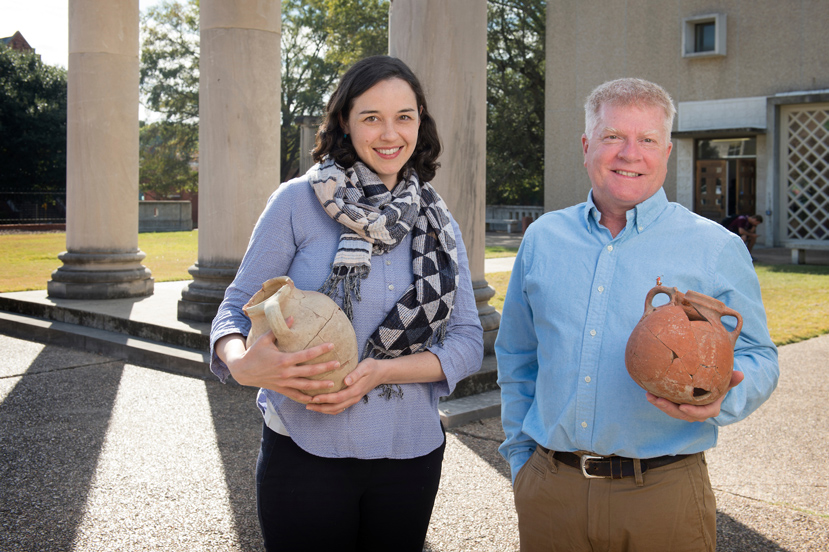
pixel 680 350
pixel 317 320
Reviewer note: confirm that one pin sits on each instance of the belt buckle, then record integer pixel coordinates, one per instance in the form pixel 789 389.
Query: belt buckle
pixel 583 459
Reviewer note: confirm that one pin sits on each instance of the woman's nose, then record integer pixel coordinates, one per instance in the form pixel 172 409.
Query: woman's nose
pixel 389 130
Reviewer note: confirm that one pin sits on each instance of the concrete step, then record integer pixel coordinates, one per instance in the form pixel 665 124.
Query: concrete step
pixel 461 411
pixel 145 331
pixel 135 350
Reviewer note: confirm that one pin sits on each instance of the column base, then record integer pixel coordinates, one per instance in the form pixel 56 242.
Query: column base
pixel 200 300
pixel 489 317
pixel 101 276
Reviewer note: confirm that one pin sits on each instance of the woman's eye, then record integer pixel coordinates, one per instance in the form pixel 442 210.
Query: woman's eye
pixel 370 118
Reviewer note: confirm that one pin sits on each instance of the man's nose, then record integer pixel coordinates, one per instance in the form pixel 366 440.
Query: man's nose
pixel 631 151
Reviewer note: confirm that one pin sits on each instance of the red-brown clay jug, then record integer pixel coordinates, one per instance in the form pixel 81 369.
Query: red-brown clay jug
pixel 317 320
pixel 681 351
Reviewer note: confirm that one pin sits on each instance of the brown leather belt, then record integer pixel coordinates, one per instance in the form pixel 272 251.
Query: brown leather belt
pixel 613 467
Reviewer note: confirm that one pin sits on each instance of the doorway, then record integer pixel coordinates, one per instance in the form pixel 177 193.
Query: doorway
pixel 725 177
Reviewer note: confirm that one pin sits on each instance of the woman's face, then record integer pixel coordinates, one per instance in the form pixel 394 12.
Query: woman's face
pixel 383 126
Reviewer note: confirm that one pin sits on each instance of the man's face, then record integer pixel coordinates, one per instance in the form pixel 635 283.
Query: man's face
pixel 627 156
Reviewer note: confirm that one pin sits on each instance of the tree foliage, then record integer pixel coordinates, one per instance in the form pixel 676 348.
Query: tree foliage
pixel 320 40
pixel 32 123
pixel 515 102
pixel 170 60
pixel 169 82
pixel 167 158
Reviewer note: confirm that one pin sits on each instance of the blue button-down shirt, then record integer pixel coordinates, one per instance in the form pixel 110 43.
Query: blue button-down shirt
pixel 574 297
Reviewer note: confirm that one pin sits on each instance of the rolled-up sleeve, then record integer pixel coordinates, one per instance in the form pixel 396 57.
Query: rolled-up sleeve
pixel 272 239
pixel 462 351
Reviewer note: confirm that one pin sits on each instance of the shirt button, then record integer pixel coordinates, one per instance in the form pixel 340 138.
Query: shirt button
pixel 601 289
pixel 641 228
pixel 587 379
pixel 584 424
pixel 593 332
pixel 391 287
pixel 610 248
pixel 388 262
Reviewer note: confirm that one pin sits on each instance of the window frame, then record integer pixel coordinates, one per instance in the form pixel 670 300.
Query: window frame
pixel 689 28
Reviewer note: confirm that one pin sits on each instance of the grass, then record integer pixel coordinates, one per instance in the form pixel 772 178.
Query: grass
pixel 29 259
pixel 796 299
pixel 796 296
pixel 499 252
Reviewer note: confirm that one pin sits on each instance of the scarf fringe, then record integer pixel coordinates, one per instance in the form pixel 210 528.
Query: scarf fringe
pixel 351 280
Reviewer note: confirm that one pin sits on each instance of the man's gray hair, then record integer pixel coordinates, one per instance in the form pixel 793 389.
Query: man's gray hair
pixel 625 92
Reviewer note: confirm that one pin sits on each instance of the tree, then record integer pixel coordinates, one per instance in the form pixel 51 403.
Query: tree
pixel 32 123
pixel 170 60
pixel 167 158
pixel 515 102
pixel 319 39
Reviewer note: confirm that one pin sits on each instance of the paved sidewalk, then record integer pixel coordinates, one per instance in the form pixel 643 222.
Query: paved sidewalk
pixel 97 454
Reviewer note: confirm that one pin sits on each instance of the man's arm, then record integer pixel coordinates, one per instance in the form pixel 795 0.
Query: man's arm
pixel 756 369
pixel 516 350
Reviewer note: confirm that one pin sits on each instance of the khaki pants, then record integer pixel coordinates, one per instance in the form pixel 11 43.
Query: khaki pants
pixel 559 509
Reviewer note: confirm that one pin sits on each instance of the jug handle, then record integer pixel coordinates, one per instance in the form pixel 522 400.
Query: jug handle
pixel 669 291
pixel 735 333
pixel 273 313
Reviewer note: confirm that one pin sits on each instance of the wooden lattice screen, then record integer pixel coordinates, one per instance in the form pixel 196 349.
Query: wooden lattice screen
pixel 805 168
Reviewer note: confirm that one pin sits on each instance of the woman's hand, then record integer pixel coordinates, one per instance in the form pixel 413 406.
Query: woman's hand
pixel 264 365
pixel 692 412
pixel 366 376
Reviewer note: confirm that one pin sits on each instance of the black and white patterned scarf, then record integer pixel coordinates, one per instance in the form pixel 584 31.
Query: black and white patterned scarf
pixel 375 221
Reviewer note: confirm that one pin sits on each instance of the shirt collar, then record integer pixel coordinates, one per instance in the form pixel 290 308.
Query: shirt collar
pixel 640 216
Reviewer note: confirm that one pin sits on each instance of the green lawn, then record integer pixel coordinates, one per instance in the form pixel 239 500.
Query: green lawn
pixel 796 297
pixel 29 259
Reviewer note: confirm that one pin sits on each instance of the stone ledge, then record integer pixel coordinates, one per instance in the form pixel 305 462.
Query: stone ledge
pixel 461 411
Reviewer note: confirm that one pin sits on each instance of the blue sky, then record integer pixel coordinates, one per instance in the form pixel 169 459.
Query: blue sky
pixel 44 25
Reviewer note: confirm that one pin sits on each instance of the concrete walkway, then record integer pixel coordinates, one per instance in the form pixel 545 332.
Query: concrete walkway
pixel 99 454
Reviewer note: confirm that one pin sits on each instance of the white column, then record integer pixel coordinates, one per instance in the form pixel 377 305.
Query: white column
pixel 444 43
pixel 239 153
pixel 102 259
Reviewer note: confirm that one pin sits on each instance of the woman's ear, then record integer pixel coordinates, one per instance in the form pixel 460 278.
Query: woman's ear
pixel 343 124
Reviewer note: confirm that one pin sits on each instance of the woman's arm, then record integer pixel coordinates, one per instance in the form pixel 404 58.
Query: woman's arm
pixel 264 365
pixel 417 368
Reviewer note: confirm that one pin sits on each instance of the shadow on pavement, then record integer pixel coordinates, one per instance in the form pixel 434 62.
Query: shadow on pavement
pixel 733 536
pixel 52 429
pixel 238 426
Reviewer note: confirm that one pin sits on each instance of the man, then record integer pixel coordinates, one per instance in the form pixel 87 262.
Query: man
pixel 598 463
pixel 746 227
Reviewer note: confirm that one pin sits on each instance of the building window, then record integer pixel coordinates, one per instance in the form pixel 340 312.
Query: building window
pixel 703 36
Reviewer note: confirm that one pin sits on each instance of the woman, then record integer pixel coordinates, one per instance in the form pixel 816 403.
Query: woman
pixel 358 469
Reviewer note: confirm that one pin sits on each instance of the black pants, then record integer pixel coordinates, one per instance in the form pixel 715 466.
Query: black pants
pixel 310 503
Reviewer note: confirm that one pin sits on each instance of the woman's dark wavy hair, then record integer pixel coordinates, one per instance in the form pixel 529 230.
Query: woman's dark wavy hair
pixel 331 141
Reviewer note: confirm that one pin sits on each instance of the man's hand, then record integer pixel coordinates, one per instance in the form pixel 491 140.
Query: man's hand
pixel 692 412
